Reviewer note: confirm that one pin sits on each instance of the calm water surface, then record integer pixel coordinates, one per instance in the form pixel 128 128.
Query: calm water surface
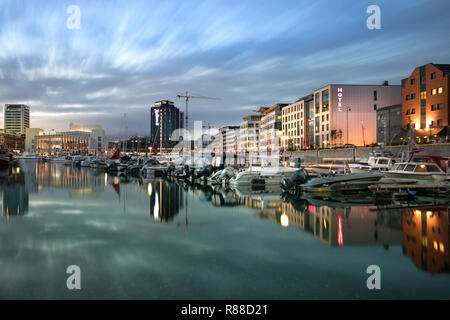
pixel 144 239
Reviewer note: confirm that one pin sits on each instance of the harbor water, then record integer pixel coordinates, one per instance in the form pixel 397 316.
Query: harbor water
pixel 136 238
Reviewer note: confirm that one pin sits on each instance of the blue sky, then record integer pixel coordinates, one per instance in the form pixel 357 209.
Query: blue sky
pixel 129 54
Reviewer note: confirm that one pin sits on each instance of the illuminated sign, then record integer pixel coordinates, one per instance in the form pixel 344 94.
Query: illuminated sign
pixel 340 96
pixel 157 117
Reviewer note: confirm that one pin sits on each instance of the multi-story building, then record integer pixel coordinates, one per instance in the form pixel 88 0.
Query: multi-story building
pixel 269 139
pixel 425 99
pixel 16 118
pixel 389 124
pixel 12 140
pixel 296 124
pixel 30 141
pixel 97 138
pixel 165 119
pixel 249 133
pixel 347 113
pixel 72 142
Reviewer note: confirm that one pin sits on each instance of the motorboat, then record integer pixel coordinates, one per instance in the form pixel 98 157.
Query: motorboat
pixel 378 161
pixel 68 161
pixel 420 167
pixel 27 156
pixel 153 168
pixel 98 163
pixel 86 163
pixel 262 176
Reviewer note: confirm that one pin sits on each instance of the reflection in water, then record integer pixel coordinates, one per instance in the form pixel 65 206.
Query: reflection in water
pixel 423 233
pixel 426 238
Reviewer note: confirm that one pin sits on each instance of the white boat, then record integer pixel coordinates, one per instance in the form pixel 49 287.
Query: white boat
pixel 28 156
pixel 153 168
pixel 86 162
pixel 98 163
pixel 68 161
pixel 379 161
pixel 58 159
pixel 262 176
pixel 420 167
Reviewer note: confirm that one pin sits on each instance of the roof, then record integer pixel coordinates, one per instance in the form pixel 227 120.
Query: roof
pixel 252 115
pixel 281 105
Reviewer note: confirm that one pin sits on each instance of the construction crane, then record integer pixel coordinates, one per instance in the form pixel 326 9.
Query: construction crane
pixel 187 97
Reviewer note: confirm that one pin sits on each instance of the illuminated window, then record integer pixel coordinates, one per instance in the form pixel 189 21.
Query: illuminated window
pixel 423 95
pixel 440 90
pixel 434 92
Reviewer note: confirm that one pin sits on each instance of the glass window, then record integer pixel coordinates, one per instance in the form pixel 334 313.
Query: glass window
pixel 407 97
pixel 401 166
pixel 440 90
pixel 439 122
pixel 413 96
pixel 423 95
pixel 413 111
pixel 433 107
pixel 325 97
pixel 433 75
pixel 410 167
pixel 433 92
pixel 413 81
pixel 439 106
pixel 317 100
pixel 375 95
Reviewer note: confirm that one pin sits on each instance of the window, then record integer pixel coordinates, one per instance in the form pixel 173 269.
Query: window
pixel 375 95
pixel 413 81
pixel 413 96
pixel 440 90
pixel 323 118
pixel 433 107
pixel 325 97
pixel 374 107
pixel 439 122
pixel 434 92
pixel 439 106
pixel 407 97
pixel 423 95
pixel 328 117
pixel 410 167
pixel 407 112
pixel 433 75
pixel 413 111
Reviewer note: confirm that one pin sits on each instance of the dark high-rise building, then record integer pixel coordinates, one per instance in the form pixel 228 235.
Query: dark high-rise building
pixel 165 119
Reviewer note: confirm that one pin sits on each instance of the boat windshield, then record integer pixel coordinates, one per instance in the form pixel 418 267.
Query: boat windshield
pixel 410 167
pixel 427 168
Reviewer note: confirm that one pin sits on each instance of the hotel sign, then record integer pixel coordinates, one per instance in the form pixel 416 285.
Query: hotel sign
pixel 340 96
pixel 156 117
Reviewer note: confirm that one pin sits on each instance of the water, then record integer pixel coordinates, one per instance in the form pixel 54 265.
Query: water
pixel 139 239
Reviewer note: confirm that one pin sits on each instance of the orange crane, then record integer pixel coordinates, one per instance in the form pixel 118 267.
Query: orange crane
pixel 187 97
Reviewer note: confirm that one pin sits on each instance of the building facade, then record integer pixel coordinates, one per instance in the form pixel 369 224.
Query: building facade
pixel 97 137
pixel 425 99
pixel 271 122
pixel 296 124
pixel 16 118
pixel 30 141
pixel 389 124
pixel 347 113
pixel 71 142
pixel 249 133
pixel 14 141
pixel 165 119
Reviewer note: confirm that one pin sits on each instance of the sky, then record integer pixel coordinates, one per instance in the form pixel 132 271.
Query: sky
pixel 128 54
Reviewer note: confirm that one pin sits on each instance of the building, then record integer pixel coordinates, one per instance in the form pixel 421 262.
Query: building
pixel 249 133
pixel 270 129
pixel 71 142
pixel 389 124
pixel 30 141
pixel 97 138
pixel 296 120
pixel 16 118
pixel 425 99
pixel 165 119
pixel 347 113
pixel 12 140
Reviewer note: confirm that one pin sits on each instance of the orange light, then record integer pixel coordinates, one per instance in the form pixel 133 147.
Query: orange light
pixel 340 233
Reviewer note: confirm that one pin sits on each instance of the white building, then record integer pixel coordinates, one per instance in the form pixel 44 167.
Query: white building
pixel 249 133
pixel 97 140
pixel 270 132
pixel 30 139
pixel 16 118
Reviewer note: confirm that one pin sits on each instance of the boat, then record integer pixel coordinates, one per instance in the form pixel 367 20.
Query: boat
pixel 262 176
pixel 154 168
pixel 420 167
pixel 98 163
pixel 27 156
pixel 378 161
pixel 68 161
pixel 86 162
pixel 6 157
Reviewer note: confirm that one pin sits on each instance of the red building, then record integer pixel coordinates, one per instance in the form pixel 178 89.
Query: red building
pixel 425 99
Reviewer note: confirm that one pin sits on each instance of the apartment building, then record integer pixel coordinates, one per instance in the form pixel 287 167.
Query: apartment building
pixel 296 122
pixel 425 99
pixel 270 132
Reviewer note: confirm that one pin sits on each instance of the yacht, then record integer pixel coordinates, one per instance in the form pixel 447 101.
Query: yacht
pixel 86 162
pixel 68 161
pixel 420 167
pixel 378 161
pixel 154 168
pixel 262 176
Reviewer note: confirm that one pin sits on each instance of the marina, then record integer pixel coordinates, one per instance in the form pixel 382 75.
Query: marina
pixel 164 238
